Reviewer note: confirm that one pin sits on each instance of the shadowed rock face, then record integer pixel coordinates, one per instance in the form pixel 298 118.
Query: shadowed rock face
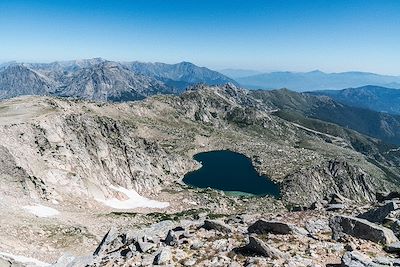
pixel 379 214
pixel 361 228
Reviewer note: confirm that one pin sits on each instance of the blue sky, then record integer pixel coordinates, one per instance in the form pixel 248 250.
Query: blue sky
pixel 330 35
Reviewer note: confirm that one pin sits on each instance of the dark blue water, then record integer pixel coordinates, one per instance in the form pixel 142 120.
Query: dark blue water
pixel 230 171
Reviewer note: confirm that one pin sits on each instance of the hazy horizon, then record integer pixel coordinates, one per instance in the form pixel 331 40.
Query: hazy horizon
pixel 260 71
pixel 288 35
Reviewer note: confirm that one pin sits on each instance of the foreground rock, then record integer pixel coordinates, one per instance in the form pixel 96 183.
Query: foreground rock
pixel 379 214
pixel 217 225
pixel 258 247
pixel 274 227
pixel 358 259
pixel 163 257
pixel 393 248
pixel 380 196
pixel 361 228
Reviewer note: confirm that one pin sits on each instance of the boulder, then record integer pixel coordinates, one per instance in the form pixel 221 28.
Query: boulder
pixel 171 239
pixel 258 247
pixel 111 242
pixel 381 196
pixel 5 262
pixel 317 226
pixel 355 259
pixel 395 227
pixel 393 248
pixel 144 246
pixel 361 228
pixel 379 214
pixel 163 257
pixel 336 198
pixel 275 227
pixel 68 260
pixel 334 207
pixel 385 261
pixel 217 225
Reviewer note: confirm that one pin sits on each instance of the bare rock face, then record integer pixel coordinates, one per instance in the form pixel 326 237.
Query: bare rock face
pixel 335 176
pixel 86 153
pixel 379 214
pixel 361 228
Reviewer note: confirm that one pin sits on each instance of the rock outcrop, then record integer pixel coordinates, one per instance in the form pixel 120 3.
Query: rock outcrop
pixel 361 228
pixel 379 214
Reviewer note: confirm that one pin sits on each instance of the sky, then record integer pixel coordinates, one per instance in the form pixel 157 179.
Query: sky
pixel 293 35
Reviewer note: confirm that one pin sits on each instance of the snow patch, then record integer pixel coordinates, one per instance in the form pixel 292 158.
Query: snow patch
pixel 134 200
pixel 41 211
pixel 30 262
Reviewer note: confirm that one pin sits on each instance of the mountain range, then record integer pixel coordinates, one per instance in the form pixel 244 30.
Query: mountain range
pixel 315 111
pixel 99 79
pixel 316 80
pixel 376 98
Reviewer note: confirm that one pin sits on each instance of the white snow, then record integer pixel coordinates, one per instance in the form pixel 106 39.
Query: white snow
pixel 41 211
pixel 30 262
pixel 134 200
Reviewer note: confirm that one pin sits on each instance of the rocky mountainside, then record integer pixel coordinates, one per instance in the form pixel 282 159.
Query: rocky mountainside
pixel 317 80
pixel 18 80
pixel 376 98
pixel 109 81
pixel 375 124
pixel 102 80
pixel 69 169
pixel 181 74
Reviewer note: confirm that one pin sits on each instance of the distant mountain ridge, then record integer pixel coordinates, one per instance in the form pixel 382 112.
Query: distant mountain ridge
pixel 298 106
pixel 317 80
pixel 376 98
pixel 103 80
pixel 181 74
pixel 239 73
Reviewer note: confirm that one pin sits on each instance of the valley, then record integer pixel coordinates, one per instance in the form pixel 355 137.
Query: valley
pixel 72 169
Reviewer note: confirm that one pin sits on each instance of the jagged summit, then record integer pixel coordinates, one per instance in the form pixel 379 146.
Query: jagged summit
pixel 107 80
pixel 17 79
pixel 104 80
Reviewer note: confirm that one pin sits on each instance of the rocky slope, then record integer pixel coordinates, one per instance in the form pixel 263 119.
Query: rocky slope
pixel 18 80
pixel 77 162
pixel 319 237
pixel 371 123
